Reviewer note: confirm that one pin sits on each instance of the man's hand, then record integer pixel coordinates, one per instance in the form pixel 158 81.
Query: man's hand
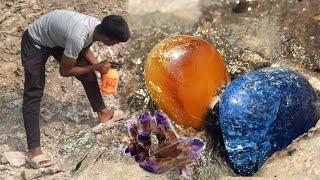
pixel 102 67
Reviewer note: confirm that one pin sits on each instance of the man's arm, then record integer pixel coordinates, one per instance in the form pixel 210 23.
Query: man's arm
pixel 68 68
pixel 90 57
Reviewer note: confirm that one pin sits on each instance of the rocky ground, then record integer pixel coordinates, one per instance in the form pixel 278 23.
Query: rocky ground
pixel 249 36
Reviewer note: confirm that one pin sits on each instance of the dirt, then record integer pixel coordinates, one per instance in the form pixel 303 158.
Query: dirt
pixel 254 35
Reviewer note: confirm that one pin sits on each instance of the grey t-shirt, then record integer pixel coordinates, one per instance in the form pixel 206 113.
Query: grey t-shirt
pixel 63 28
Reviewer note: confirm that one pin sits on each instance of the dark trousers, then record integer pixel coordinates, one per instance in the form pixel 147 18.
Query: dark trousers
pixel 34 58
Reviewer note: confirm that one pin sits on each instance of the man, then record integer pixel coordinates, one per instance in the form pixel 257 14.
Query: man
pixel 67 36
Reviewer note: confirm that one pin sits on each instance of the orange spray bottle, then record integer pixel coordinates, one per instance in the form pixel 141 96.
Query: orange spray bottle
pixel 110 80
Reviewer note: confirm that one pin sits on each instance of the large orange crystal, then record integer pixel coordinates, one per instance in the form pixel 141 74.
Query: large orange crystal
pixel 183 74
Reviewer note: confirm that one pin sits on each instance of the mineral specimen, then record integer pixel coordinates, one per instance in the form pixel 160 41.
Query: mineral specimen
pixel 262 112
pixel 156 147
pixel 183 74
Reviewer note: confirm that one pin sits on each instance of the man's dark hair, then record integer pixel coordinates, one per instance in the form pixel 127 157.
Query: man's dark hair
pixel 114 27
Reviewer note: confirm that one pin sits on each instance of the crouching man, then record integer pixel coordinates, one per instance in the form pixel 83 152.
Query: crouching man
pixel 67 36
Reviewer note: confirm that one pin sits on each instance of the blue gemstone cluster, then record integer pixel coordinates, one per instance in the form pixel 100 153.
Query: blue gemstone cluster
pixel 262 112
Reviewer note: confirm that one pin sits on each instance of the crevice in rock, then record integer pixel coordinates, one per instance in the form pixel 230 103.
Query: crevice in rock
pixel 79 163
pixel 98 158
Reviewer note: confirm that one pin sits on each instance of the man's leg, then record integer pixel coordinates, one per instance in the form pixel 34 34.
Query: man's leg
pixel 91 86
pixel 33 61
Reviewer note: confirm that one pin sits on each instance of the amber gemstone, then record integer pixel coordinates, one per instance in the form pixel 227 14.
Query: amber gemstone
pixel 183 74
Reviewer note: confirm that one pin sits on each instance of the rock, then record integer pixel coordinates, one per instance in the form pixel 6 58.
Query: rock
pixel 46 114
pixel 72 114
pixel 244 6
pixel 99 137
pixel 15 158
pixel 78 113
pixel 8 177
pixel 15 172
pixel 136 61
pixel 262 112
pixel 56 168
pixel 90 158
pixel 104 126
pixel 185 13
pixel 51 132
pixel 35 7
pixel 3 138
pixel 16 103
pixel 9 4
pixel 4 16
pixel 4 160
pixel 254 59
pixel 31 173
pixel 4 148
pixel 14 20
pixel 3 167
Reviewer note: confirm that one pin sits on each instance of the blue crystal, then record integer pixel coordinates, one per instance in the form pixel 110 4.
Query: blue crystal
pixel 262 112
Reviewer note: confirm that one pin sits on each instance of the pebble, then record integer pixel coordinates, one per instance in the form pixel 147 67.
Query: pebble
pixel 4 148
pixel 317 17
pixel 3 138
pixel 7 177
pixel 46 114
pixel 31 173
pixel 99 137
pixel 3 167
pixel 136 61
pixel 4 160
pixel 17 103
pixel 57 168
pixel 15 158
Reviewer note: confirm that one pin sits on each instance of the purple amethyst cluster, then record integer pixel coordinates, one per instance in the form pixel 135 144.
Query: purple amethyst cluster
pixel 156 147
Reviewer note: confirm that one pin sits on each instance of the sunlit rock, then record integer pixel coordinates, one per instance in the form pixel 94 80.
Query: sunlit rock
pixel 183 74
pixel 262 112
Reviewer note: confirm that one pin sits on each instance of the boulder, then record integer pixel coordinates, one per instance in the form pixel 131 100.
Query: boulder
pixel 15 158
pixel 31 173
pixel 262 112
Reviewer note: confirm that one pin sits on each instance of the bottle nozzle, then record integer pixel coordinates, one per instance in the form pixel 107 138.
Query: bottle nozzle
pixel 116 65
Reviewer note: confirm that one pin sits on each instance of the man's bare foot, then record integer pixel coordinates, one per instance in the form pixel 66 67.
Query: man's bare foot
pixel 105 114
pixel 36 152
